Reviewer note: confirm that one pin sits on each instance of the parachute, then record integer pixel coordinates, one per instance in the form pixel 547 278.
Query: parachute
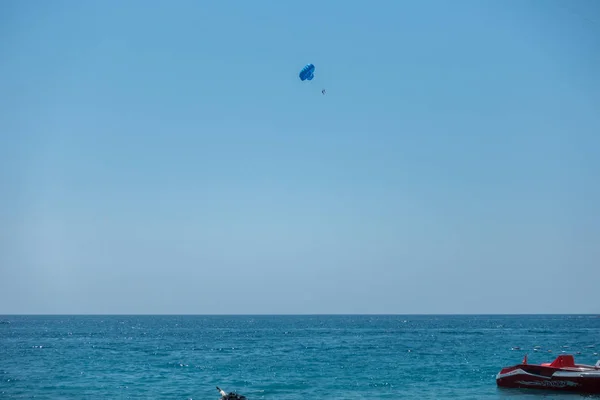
pixel 307 73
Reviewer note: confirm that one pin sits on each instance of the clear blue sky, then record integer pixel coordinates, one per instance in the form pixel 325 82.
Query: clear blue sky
pixel 164 157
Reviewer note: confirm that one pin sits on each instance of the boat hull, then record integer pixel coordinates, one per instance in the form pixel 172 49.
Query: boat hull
pixel 547 378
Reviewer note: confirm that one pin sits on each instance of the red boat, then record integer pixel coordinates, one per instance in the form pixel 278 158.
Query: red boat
pixel 561 374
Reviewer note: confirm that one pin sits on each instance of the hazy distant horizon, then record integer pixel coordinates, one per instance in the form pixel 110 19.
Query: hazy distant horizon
pixel 302 315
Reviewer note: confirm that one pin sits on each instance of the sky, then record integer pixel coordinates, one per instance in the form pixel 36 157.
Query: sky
pixel 164 157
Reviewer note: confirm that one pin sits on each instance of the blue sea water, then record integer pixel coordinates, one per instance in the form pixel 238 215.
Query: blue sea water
pixel 281 357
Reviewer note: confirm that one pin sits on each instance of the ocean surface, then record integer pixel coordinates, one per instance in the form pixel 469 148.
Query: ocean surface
pixel 281 357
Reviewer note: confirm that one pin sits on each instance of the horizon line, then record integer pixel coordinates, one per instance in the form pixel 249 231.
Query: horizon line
pixel 301 314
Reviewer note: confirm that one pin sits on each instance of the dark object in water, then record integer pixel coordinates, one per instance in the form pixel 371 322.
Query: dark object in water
pixel 230 395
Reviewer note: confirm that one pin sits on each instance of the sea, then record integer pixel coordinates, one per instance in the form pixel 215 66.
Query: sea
pixel 283 357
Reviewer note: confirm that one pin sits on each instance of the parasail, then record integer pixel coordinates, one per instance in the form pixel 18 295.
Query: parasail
pixel 307 72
